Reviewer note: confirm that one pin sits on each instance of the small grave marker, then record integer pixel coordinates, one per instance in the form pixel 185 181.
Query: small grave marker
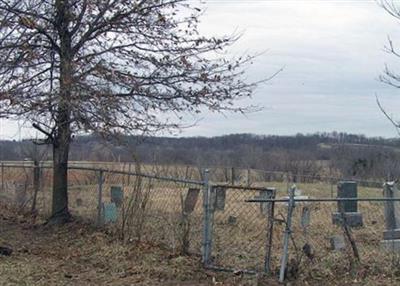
pixel 20 194
pixel 117 195
pixel 232 220
pixel 305 217
pixel 110 213
pixel 78 202
pixel 337 242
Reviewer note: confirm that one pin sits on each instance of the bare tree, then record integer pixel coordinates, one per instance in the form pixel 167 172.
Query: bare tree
pixel 109 66
pixel 389 76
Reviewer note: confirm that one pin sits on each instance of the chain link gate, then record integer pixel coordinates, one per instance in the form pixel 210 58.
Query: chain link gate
pixel 238 236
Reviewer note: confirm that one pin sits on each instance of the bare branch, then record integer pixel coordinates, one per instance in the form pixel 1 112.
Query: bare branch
pixel 38 127
pixel 390 118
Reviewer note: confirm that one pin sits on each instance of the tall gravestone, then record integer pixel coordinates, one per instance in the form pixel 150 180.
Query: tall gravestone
pixel 391 236
pixel 268 193
pixel 347 210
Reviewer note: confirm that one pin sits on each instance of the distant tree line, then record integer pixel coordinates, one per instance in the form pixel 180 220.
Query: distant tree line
pixel 319 154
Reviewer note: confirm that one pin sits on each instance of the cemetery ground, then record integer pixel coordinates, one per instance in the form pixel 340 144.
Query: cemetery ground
pixel 78 254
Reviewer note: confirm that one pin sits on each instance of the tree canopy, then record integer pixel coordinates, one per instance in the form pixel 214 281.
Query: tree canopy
pixel 110 66
pixel 126 62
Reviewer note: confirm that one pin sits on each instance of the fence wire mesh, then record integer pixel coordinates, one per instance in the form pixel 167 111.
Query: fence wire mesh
pixel 239 229
pixel 17 185
pixel 153 210
pixel 319 245
pixel 168 209
pixel 148 208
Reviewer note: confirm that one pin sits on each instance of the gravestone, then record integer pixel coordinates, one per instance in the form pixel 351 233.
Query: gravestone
pixel 337 242
pixel 391 236
pixel 349 209
pixel 220 195
pixel 232 220
pixel 79 202
pixel 217 198
pixel 305 217
pixel 110 213
pixel 347 189
pixel 117 195
pixel 20 194
pixel 265 194
pixel 190 200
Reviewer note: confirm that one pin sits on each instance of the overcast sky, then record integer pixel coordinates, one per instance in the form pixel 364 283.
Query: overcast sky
pixel 332 54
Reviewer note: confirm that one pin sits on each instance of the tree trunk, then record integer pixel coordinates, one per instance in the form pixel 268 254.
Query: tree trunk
pixel 60 212
pixel 36 184
pixel 62 136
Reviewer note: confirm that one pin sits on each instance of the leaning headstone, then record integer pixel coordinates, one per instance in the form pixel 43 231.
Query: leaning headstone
pixel 349 209
pixel 391 236
pixel 190 200
pixel 337 242
pixel 110 213
pixel 117 195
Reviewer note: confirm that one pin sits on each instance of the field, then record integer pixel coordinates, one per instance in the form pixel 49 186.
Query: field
pixel 239 230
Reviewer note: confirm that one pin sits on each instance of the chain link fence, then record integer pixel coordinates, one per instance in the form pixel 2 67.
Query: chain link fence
pixel 241 226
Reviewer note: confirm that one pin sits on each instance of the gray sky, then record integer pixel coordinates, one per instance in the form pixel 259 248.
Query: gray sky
pixel 332 54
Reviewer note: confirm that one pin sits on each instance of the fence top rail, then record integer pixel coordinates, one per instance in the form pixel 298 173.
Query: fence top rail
pixel 150 176
pixel 17 166
pixel 238 187
pixel 288 174
pixel 286 200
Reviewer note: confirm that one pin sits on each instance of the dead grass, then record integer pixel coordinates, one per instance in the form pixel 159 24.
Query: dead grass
pixel 98 258
pixel 77 254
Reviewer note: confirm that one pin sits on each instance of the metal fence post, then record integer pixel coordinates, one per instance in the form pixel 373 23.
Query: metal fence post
pixel 288 230
pixel 2 177
pixel 36 184
pixel 206 255
pixel 129 176
pixel 270 229
pixel 287 180
pixel 248 177
pixel 100 198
